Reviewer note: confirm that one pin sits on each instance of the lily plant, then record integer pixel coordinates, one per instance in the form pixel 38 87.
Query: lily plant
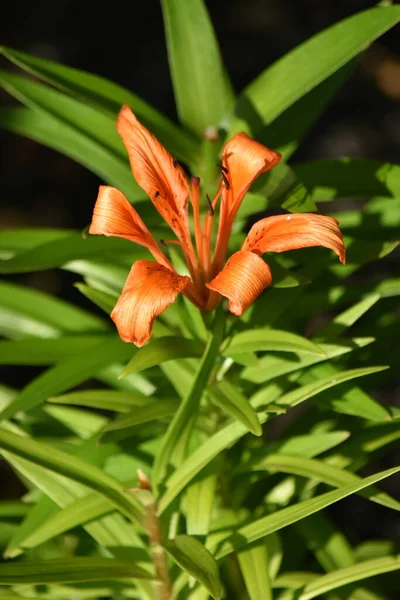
pixel 193 453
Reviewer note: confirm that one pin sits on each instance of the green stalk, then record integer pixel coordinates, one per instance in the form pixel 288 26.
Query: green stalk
pixel 174 444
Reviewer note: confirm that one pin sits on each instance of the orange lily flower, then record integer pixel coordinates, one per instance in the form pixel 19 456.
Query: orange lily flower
pixel 152 286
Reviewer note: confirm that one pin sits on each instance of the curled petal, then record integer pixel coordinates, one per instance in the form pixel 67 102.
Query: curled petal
pixel 149 289
pixel 113 215
pixel 290 232
pixel 245 159
pixel 156 171
pixel 242 280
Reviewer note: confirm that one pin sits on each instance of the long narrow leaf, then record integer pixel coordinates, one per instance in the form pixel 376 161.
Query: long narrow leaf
pixel 261 527
pixel 73 467
pixel 202 91
pixel 108 96
pixel 308 65
pixel 66 570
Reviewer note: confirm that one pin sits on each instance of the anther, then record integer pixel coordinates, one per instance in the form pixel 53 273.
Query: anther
pixel 195 181
pixel 210 206
pixel 175 162
pixel 222 168
pixel 164 243
pixel 225 179
pixel 156 194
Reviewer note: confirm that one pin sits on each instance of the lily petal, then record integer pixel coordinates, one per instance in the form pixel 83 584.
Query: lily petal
pixel 114 216
pixel 242 280
pixel 290 232
pixel 156 171
pixel 149 289
pixel 245 159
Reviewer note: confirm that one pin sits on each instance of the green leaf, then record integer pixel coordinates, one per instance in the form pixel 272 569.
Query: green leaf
pixel 108 96
pixel 162 349
pixel 341 577
pixel 308 65
pixel 66 374
pixel 271 366
pixel 227 436
pixel 12 509
pixel 200 499
pixel 348 317
pixel 125 425
pixel 259 528
pixel 254 340
pixel 307 445
pixel 321 471
pixel 285 132
pixel 100 298
pixel 38 351
pixel 202 92
pixel 229 397
pixel 326 541
pixel 296 396
pixel 67 570
pixel 33 313
pixel 103 399
pixel 253 564
pixel 347 177
pixel 196 560
pixel 18 240
pixel 173 444
pixel 63 137
pixel 85 509
pixel 285 189
pixel 60 252
pixel 72 467
pixel 80 115
pixel 352 400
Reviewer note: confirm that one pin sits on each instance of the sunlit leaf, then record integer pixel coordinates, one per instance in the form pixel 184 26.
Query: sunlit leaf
pixel 202 92
pixel 196 560
pixel 65 570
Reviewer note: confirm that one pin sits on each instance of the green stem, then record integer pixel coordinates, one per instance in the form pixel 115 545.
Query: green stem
pixel 174 444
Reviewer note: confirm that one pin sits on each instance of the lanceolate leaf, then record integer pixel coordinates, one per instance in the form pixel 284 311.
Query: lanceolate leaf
pixel 103 399
pixel 108 96
pixel 67 570
pixel 125 425
pixel 202 91
pixel 341 577
pixel 63 137
pixel 229 397
pixel 270 339
pixel 261 527
pixel 47 351
pixel 194 558
pixel 66 374
pixel 39 314
pixel 285 133
pixel 60 252
pixel 319 470
pixel 73 467
pixel 162 349
pixel 308 65
pixel 346 177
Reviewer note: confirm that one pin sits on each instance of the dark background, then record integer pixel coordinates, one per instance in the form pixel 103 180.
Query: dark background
pixel 124 41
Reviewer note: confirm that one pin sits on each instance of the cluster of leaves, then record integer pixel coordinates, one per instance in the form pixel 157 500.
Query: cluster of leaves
pixel 241 514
